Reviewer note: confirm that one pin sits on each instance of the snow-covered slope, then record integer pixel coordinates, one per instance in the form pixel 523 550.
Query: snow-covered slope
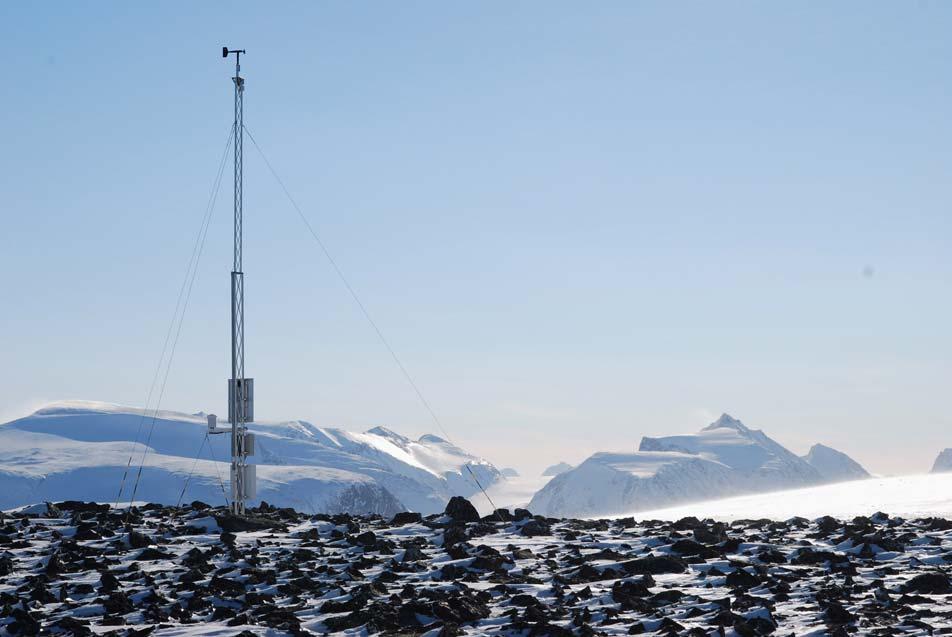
pixel 943 462
pixel 79 450
pixel 725 458
pixel 833 465
pixel 925 495
pixel 557 468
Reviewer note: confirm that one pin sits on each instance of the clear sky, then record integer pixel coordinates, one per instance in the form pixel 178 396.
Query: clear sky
pixel 577 223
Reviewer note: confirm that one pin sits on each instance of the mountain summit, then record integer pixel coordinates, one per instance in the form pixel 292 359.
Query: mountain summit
pixel 724 458
pixel 726 421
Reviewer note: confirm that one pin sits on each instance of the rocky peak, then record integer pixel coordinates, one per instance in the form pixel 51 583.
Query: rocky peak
pixel 726 421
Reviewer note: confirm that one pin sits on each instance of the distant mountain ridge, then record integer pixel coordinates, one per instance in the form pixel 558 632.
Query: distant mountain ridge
pixel 943 462
pixel 725 458
pixel 78 450
pixel 833 465
pixel 556 469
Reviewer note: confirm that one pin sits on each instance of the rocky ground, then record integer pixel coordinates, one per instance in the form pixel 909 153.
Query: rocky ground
pixel 75 568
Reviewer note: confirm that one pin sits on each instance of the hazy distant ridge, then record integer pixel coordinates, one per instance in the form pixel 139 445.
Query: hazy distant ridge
pixel 725 458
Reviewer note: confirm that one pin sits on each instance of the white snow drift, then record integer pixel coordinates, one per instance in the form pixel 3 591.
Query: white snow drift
pixel 914 496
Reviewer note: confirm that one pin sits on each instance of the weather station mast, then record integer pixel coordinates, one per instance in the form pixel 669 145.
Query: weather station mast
pixel 240 389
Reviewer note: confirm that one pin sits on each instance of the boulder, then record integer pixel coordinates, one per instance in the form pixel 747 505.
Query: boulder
pixel 461 510
pixel 406 517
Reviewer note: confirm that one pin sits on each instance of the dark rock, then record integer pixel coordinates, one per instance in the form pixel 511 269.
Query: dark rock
pixel 406 517
pixel 450 629
pixel 772 556
pixel 690 548
pixel 754 626
pixel 461 510
pixel 73 626
pixel 414 554
pixel 139 540
pixel 226 586
pixel 524 599
pixel 236 524
pixel 118 603
pixel 6 565
pixel 731 545
pixel 108 582
pixel 726 618
pixel 54 565
pixel 934 583
pixel 740 578
pixel 655 565
pixel 522 554
pixel 811 556
pixel 23 623
pixel 487 562
pixel 454 535
pixel 192 576
pixel 82 507
pixel 630 593
pixel 827 525
pixel 835 613
pixel 367 539
pixel 533 528
pixel 152 554
pixel 86 532
pixel 499 515
pixel 589 573
pixel 715 534
pixel 408 614
pixel 687 524
pixel 468 610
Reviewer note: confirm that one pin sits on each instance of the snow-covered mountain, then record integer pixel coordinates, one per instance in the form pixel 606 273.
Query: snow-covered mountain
pixel 943 462
pixel 557 468
pixel 833 465
pixel 725 458
pixel 79 450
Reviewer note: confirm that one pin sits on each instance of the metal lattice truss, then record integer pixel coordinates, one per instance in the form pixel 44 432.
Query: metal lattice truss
pixel 240 392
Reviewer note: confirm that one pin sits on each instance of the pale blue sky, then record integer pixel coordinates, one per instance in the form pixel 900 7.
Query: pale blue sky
pixel 576 224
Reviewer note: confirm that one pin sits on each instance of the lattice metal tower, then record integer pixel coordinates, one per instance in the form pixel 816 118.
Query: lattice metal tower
pixel 240 389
